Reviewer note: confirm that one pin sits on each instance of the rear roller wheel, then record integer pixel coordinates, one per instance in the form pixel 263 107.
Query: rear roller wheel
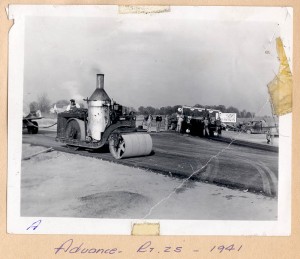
pixel 75 130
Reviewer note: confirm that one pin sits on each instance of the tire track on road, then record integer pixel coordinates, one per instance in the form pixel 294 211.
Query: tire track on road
pixel 269 178
pixel 265 179
pixel 272 177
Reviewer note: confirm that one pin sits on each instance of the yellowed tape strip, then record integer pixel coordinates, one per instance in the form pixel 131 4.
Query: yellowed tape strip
pixel 145 229
pixel 139 9
pixel 281 87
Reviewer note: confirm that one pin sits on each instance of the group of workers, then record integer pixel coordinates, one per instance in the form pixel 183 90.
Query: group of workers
pixel 158 120
pixel 199 127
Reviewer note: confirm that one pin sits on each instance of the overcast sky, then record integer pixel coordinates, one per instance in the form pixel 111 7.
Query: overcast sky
pixel 151 61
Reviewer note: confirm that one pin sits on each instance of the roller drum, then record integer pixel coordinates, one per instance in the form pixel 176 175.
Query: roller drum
pixel 132 145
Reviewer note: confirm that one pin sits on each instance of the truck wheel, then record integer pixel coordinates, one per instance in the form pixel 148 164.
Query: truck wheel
pixel 33 127
pixel 29 129
pixel 248 131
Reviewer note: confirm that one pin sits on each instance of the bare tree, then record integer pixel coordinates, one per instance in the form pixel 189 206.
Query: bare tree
pixel 33 106
pixel 62 103
pixel 248 115
pixel 44 102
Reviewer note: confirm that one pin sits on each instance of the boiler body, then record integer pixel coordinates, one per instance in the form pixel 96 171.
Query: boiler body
pixel 98 110
pixel 98 118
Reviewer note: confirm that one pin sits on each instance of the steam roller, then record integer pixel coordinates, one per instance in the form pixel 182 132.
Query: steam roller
pixel 104 122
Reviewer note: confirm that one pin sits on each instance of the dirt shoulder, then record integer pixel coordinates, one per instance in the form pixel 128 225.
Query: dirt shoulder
pixel 59 184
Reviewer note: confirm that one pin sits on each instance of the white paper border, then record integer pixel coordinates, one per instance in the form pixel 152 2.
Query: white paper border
pixel 17 224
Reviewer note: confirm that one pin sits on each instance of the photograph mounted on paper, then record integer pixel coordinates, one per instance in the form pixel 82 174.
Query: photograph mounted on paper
pixel 174 115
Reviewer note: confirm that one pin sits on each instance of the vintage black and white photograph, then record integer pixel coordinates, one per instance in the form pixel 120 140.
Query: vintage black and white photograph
pixel 155 114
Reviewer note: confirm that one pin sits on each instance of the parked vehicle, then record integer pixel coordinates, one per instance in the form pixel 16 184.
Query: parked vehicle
pixel 229 127
pixel 255 127
pixel 30 123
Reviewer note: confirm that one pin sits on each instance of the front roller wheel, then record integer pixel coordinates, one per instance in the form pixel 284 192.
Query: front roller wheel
pixel 116 146
pixel 130 145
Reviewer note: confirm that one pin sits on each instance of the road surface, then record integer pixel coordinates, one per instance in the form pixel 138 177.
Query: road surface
pixel 185 156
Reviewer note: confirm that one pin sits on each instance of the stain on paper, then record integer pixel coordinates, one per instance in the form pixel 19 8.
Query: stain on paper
pixel 145 229
pixel 281 87
pixel 138 9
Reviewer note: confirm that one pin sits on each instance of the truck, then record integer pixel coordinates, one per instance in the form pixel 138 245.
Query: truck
pixel 194 120
pixel 255 127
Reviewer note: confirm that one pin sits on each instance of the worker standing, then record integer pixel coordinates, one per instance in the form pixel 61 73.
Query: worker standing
pixel 38 113
pixel 149 123
pixel 218 126
pixel 158 123
pixel 72 105
pixel 205 129
pixel 206 113
pixel 179 123
pixel 270 136
pixel 166 122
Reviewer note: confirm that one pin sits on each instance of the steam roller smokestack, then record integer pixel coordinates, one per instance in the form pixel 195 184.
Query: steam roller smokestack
pixel 100 81
pixel 99 94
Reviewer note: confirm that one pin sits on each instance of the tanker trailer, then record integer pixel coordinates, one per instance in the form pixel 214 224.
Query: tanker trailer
pixel 103 122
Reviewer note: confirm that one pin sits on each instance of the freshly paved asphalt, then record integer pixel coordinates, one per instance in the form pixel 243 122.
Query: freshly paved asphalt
pixel 211 161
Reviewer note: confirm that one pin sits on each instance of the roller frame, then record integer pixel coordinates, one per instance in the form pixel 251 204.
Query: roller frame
pixel 112 135
pixel 118 128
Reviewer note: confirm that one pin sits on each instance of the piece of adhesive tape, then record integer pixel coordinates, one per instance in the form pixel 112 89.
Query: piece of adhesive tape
pixel 281 87
pixel 145 229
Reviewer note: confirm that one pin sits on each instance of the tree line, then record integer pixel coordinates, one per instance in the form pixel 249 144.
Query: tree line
pixel 169 110
pixel 44 104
